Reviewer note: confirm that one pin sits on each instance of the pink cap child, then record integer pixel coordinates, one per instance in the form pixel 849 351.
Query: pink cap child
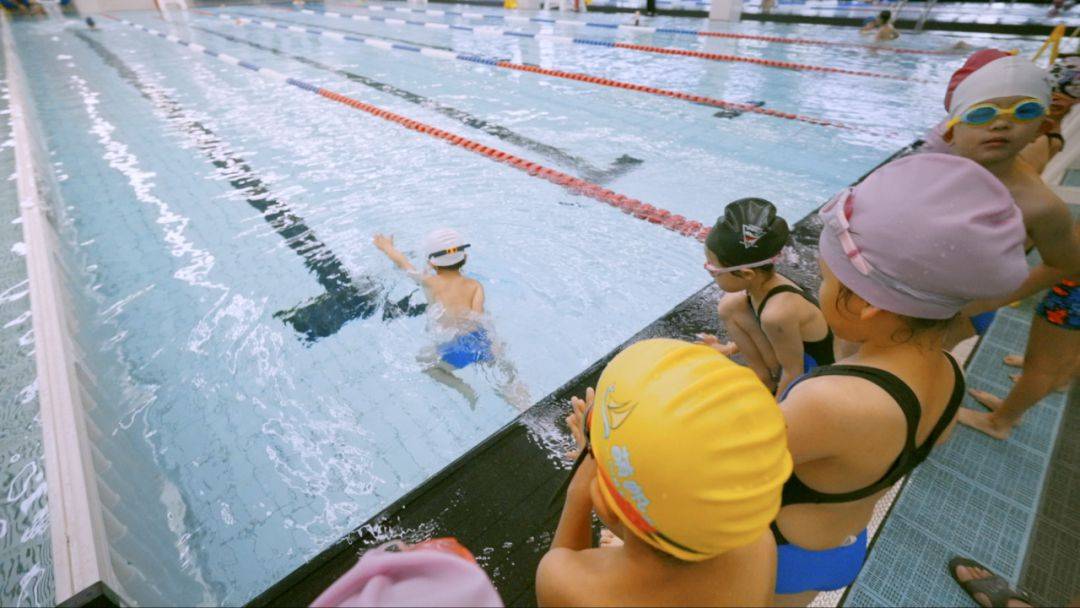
pixel 438 572
pixel 924 236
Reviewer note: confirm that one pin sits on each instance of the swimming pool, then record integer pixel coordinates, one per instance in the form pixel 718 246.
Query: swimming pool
pixel 258 393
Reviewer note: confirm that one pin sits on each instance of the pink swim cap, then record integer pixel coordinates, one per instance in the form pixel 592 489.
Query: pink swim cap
pixel 924 236
pixel 436 573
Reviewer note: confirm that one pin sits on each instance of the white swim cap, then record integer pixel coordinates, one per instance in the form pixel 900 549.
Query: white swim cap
pixel 444 247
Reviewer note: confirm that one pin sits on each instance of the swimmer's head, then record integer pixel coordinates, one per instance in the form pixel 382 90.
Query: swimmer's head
pixel 690 448
pixel 746 240
pixel 884 17
pixel 994 79
pixel 918 239
pixel 445 249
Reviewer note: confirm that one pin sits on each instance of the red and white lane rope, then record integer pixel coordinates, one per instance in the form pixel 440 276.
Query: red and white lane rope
pixel 593 42
pixel 577 76
pixel 634 207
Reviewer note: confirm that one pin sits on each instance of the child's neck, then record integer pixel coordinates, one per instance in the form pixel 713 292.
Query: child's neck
pixel 760 285
pixel 445 272
pixel 1003 169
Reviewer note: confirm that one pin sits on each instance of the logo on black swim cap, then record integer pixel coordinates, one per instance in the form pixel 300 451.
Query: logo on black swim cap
pixel 751 234
pixel 750 231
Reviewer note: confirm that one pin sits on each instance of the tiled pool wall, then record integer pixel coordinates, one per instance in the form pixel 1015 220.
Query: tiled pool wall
pixel 25 552
pixel 154 522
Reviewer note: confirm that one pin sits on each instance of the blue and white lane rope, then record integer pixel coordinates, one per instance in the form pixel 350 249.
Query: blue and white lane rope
pixel 592 42
pixel 623 27
pixel 634 207
pixel 498 63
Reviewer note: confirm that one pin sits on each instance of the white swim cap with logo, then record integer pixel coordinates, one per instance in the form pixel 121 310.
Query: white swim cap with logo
pixel 444 247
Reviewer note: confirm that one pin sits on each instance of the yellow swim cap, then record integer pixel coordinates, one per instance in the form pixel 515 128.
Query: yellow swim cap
pixel 691 449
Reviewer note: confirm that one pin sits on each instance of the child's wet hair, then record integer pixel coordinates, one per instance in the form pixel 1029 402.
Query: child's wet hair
pixel 914 325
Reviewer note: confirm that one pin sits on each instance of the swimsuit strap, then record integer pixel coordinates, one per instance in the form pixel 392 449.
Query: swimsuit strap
pixel 781 289
pixel 796 492
pixel 947 416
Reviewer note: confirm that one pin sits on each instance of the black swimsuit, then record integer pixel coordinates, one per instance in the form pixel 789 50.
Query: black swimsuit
pixel 821 350
pixel 796 492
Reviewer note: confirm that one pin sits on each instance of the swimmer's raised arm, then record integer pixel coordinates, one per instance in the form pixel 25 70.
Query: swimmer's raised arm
pixel 385 244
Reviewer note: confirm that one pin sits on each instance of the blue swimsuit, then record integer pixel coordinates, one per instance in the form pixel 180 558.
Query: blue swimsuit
pixel 800 569
pixel 466 349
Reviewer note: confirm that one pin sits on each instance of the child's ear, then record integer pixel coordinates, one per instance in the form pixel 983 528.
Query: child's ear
pixel 869 312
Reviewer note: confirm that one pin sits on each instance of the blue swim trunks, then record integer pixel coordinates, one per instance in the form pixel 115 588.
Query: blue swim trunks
pixel 466 349
pixel 801 570
pixel 1061 306
pixel 982 322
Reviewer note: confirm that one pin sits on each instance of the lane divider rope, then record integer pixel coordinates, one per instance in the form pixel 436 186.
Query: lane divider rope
pixel 655 30
pixel 576 76
pixel 592 42
pixel 643 211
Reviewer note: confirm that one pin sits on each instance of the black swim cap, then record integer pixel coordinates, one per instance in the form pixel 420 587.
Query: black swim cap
pixel 750 231
pixel 885 16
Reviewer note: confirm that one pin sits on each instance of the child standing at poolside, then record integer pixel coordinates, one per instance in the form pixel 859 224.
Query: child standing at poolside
pixel 457 308
pixel 776 325
pixel 682 456
pixel 901 254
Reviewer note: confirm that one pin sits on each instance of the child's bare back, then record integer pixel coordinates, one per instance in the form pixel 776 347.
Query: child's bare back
pixel 459 298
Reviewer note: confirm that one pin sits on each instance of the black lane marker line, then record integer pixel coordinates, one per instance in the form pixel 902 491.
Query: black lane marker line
pixel 737 113
pixel 584 168
pixel 347 297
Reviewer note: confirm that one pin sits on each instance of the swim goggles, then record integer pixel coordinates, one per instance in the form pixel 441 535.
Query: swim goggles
pixel 1024 110
pixel 442 252
pixel 719 270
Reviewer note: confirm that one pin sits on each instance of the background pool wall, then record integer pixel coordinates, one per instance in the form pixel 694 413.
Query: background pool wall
pixel 96 477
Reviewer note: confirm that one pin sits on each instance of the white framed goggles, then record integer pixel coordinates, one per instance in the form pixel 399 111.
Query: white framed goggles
pixel 719 270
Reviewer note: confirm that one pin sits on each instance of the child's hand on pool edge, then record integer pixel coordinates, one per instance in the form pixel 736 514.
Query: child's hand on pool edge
pixel 576 419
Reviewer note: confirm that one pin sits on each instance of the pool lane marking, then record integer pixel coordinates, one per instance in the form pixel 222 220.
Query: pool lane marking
pixel 655 30
pixel 581 166
pixel 577 76
pixel 347 296
pixel 634 207
pixel 592 42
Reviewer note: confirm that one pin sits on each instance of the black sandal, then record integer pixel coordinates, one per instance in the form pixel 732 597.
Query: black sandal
pixel 995 588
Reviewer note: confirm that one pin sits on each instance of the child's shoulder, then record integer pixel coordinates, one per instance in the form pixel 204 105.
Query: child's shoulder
pixel 560 572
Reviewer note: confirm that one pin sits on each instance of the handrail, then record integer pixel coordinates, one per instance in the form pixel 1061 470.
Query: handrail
pixel 80 553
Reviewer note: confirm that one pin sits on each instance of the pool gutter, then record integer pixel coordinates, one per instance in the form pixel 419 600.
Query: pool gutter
pixel 496 498
pixel 81 566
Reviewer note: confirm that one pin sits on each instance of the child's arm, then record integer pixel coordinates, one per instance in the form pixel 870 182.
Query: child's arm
pixel 385 244
pixel 781 326
pixel 1054 235
pixel 558 573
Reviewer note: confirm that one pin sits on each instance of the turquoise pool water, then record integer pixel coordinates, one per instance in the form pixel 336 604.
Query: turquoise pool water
pixel 258 390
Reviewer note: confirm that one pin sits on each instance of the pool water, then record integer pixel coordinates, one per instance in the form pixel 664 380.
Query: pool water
pixel 258 389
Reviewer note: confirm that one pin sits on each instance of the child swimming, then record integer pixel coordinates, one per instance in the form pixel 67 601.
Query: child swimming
pixel 901 254
pixel 683 456
pixel 775 323
pixel 457 309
